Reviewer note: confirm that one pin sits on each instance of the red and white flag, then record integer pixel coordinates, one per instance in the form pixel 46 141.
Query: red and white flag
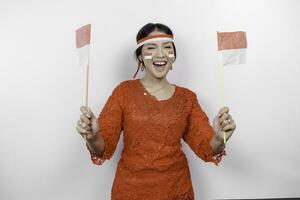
pixel 232 47
pixel 83 39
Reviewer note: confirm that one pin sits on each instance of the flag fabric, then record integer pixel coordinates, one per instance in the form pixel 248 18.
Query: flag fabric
pixel 232 47
pixel 83 38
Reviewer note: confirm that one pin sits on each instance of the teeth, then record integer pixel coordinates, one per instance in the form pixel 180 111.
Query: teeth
pixel 160 63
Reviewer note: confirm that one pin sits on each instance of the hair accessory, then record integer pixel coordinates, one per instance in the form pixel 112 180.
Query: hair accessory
pixel 154 38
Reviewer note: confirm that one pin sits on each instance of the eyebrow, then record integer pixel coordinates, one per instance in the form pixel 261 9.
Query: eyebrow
pixel 156 44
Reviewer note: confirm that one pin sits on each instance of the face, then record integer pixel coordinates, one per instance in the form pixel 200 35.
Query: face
pixel 158 57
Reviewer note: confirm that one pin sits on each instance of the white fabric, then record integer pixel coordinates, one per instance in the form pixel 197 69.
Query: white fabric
pixel 155 40
pixel 83 53
pixel 232 56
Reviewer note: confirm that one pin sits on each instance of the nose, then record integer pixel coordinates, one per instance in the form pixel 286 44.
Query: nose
pixel 160 52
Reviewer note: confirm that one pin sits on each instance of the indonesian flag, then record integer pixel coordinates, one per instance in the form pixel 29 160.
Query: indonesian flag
pixel 83 38
pixel 232 47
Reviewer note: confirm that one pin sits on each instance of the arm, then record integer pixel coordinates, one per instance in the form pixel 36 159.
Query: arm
pixel 217 145
pixel 200 135
pixel 110 122
pixel 96 145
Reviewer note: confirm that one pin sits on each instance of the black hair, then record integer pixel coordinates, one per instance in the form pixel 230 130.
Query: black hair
pixel 146 30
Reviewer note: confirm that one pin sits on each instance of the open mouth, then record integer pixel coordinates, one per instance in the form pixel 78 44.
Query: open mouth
pixel 159 64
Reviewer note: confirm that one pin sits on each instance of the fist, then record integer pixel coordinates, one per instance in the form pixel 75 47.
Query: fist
pixel 224 123
pixel 87 126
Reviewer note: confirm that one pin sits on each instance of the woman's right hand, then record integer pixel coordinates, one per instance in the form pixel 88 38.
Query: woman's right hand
pixel 87 125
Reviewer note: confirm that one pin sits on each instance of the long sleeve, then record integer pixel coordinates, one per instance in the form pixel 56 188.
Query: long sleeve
pixel 199 133
pixel 111 124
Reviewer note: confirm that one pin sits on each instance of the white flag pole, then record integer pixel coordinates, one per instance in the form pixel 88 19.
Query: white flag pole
pixel 87 81
pixel 222 92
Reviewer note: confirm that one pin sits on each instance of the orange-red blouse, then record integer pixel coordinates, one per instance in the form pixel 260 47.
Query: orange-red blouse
pixel 152 164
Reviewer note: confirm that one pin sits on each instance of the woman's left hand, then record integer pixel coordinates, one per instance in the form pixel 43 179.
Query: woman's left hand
pixel 224 123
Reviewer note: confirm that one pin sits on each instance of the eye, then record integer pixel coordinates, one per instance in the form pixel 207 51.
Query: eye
pixel 150 48
pixel 168 47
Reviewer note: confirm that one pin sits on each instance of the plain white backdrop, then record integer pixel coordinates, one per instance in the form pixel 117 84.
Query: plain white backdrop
pixel 42 88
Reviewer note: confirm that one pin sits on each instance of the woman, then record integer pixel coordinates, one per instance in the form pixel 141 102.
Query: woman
pixel 154 115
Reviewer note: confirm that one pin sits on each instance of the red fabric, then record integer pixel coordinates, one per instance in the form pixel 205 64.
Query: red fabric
pixel 152 164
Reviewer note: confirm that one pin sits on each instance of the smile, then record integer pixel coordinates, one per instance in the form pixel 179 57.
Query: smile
pixel 159 63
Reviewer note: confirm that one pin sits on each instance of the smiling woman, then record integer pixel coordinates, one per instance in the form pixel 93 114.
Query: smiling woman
pixel 155 39
pixel 154 116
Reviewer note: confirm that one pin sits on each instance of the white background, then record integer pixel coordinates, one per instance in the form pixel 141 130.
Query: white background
pixel 42 89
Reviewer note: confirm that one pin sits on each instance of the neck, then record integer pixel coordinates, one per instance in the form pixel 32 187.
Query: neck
pixel 153 82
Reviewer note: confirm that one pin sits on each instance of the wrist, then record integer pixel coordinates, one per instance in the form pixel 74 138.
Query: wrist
pixel 217 144
pixel 92 138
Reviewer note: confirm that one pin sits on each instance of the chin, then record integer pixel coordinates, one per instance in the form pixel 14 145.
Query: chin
pixel 158 74
pixel 160 77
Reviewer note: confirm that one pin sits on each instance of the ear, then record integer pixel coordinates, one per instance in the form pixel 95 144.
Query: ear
pixel 140 58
